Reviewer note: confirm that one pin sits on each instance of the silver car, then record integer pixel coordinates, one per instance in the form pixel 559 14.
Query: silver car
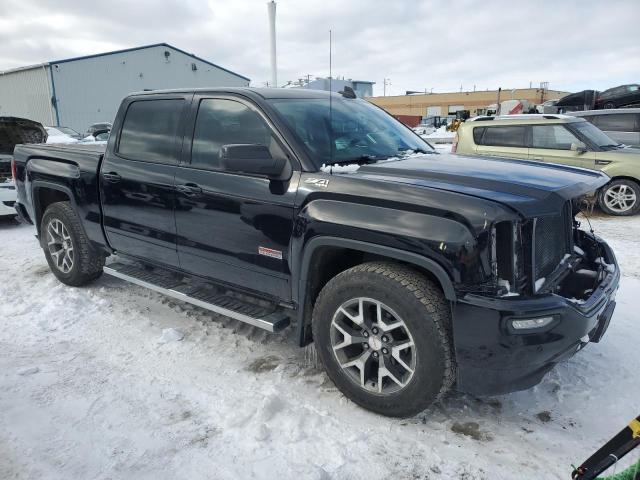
pixel 621 124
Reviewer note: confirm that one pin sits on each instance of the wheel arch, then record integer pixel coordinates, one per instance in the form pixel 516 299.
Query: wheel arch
pixel 44 194
pixel 342 254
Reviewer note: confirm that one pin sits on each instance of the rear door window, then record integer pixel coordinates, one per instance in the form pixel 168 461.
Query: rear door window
pixel 504 136
pixel 150 130
pixel 555 137
pixel 617 122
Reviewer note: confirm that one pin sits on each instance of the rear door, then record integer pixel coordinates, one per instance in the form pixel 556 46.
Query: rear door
pixel 137 178
pixel 553 143
pixel 234 227
pixel 502 141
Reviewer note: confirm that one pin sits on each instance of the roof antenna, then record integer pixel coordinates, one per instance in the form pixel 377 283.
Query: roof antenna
pixel 330 108
pixel 348 92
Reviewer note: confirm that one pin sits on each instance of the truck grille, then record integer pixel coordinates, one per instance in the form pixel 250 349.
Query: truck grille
pixel 552 240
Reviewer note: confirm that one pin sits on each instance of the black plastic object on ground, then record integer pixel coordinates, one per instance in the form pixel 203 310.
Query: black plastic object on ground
pixel 616 448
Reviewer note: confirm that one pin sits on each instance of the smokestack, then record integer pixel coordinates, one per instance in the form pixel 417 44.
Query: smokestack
pixel 271 6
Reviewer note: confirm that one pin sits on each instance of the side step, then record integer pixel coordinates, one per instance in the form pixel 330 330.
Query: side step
pixel 209 297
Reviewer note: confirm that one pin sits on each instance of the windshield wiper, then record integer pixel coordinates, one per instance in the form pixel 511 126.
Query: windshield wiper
pixel 361 160
pixel 406 151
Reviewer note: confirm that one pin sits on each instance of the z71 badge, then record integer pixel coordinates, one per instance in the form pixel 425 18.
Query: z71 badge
pixel 318 182
pixel 270 252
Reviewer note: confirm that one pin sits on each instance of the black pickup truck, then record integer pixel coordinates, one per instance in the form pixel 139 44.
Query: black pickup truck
pixel 413 272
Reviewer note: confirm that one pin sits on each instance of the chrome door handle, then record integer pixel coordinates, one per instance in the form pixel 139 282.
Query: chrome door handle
pixel 190 189
pixel 111 177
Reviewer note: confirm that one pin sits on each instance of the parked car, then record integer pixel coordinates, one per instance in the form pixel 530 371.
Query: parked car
pixel 55 135
pixel 584 100
pixel 98 126
pixel 621 96
pixel 560 139
pixel 622 124
pixel 67 131
pixel 14 130
pixel 412 272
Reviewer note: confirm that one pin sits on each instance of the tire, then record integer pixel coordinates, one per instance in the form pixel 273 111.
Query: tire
pixel 422 309
pixel 620 197
pixel 609 105
pixel 66 247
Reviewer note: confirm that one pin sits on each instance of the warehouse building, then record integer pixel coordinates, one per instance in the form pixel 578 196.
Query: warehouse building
pixel 434 104
pixel 77 92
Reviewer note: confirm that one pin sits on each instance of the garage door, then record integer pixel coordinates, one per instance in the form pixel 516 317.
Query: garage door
pixel 434 111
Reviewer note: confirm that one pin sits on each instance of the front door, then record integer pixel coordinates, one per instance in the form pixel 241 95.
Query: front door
pixel 137 179
pixel 554 143
pixel 233 227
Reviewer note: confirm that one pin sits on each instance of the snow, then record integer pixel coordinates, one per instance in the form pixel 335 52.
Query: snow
pixel 88 391
pixel 539 283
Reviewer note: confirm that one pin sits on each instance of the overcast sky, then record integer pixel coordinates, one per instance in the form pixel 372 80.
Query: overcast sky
pixel 439 45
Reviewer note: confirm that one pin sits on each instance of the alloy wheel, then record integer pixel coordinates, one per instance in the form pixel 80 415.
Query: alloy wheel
pixel 373 346
pixel 620 198
pixel 60 245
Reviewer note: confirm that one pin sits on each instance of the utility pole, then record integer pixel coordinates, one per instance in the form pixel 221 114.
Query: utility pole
pixel 385 82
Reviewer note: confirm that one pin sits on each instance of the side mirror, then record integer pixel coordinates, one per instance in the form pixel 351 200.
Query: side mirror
pixel 254 159
pixel 580 148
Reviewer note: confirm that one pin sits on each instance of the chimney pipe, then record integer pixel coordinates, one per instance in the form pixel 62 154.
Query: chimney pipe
pixel 271 6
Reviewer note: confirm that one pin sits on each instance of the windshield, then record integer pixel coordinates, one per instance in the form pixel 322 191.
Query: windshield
pixel 594 134
pixel 354 130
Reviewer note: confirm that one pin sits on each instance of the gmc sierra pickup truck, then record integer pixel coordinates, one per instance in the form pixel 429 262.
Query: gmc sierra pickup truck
pixel 413 272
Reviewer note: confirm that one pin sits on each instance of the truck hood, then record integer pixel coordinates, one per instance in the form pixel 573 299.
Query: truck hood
pixel 14 130
pixel 531 188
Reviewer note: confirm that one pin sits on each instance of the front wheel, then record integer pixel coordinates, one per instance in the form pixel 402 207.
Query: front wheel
pixel 66 247
pixel 382 333
pixel 620 197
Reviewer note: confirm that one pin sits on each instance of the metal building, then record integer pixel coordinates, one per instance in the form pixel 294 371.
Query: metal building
pixel 77 92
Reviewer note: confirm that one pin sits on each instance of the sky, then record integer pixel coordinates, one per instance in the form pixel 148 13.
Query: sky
pixel 418 45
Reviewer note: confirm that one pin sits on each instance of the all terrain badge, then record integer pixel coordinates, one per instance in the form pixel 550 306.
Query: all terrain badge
pixel 270 252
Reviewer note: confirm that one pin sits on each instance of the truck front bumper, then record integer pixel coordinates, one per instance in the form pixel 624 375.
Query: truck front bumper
pixel 494 359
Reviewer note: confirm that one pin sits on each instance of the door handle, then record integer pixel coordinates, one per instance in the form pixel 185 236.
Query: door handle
pixel 111 177
pixel 190 189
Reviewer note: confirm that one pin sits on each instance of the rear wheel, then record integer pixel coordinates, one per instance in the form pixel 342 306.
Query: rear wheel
pixel 66 247
pixel 609 105
pixel 381 332
pixel 620 197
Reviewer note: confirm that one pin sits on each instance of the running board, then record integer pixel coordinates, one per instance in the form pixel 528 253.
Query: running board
pixel 209 297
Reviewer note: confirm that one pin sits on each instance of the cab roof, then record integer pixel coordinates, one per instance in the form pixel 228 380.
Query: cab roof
pixel 266 93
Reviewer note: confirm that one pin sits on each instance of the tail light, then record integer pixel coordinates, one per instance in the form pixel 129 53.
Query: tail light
pixel 14 170
pixel 454 147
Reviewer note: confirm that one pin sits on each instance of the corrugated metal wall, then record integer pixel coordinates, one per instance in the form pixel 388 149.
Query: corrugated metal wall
pixel 25 93
pixel 90 90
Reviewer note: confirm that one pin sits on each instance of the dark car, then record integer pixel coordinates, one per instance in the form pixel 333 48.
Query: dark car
pixel 412 272
pixel 98 127
pixel 622 96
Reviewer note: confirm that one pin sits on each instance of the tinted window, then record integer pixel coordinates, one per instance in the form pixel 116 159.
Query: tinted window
pixel 552 136
pixel 618 122
pixel 477 135
pixel 504 136
pixel 149 130
pixel 224 122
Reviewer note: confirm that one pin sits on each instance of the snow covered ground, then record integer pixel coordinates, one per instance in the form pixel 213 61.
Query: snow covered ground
pixel 116 382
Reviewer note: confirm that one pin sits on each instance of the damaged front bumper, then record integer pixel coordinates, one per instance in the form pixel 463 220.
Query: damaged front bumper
pixel 494 358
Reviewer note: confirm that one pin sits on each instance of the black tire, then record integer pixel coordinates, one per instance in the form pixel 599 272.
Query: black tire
pixel 609 105
pixel 426 314
pixel 605 193
pixel 87 263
